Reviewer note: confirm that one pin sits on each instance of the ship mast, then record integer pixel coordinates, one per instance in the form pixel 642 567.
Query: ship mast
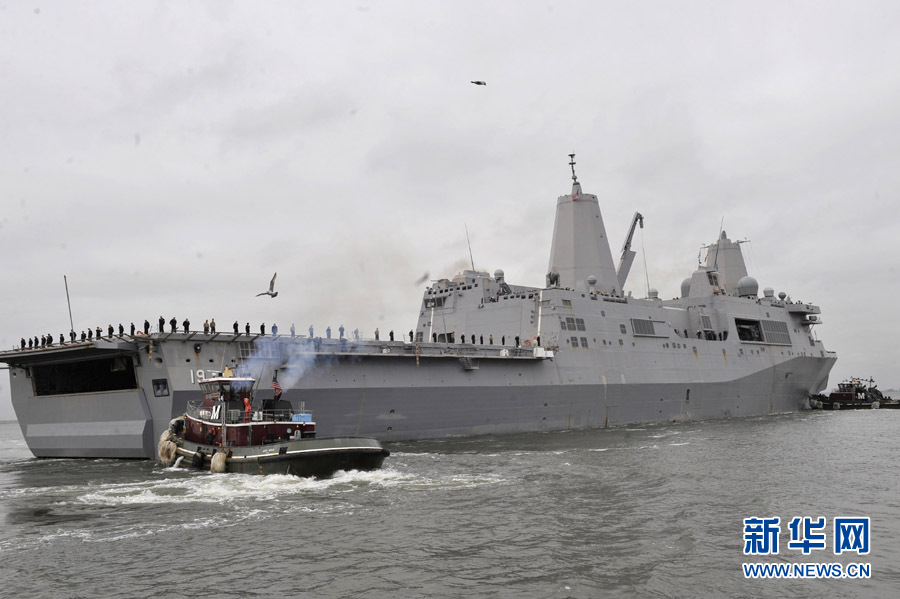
pixel 580 248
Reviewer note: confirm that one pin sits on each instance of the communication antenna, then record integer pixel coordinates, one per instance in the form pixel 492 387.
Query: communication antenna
pixel 71 324
pixel 572 164
pixel 470 246
pixel 718 239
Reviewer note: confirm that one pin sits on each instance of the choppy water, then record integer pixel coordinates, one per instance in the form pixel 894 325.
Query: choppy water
pixel 651 511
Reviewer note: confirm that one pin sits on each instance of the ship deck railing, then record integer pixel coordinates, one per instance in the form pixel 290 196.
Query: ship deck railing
pixel 421 349
pixel 526 350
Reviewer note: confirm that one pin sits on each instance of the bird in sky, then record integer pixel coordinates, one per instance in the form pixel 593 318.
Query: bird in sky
pixel 479 82
pixel 271 292
pixel 422 279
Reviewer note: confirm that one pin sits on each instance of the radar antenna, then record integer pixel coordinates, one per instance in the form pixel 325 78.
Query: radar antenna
pixel 718 243
pixel 572 164
pixel 66 281
pixel 470 246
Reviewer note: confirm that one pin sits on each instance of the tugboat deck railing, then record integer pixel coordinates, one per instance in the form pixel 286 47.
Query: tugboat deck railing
pixel 196 410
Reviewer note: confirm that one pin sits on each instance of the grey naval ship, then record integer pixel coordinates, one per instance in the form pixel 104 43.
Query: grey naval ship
pixel 486 357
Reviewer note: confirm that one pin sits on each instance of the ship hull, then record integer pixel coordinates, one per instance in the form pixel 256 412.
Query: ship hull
pixel 89 425
pixel 353 395
pixel 423 412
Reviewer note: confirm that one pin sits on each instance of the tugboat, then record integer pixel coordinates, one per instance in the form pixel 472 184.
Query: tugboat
pixel 226 432
pixel 854 394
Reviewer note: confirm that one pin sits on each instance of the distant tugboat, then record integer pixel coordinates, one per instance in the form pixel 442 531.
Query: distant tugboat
pixel 225 433
pixel 854 394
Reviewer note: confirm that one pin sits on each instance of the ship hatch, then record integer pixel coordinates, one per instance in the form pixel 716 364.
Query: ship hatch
pixel 85 376
pixel 748 330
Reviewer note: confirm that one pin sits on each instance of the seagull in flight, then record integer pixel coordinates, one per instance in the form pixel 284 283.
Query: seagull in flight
pixel 271 292
pixel 479 82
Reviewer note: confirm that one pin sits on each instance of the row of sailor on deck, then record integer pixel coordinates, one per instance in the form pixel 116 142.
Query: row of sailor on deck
pixel 44 341
pixel 209 326
pixel 451 338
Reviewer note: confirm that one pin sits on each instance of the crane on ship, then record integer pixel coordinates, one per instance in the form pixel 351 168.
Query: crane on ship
pixel 627 253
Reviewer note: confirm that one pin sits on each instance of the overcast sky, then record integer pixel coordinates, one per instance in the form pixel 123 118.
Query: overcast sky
pixel 170 156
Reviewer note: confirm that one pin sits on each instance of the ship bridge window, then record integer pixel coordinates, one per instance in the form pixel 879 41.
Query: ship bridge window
pixel 579 324
pixel 570 323
pixel 566 302
pixel 713 279
pixel 87 376
pixel 623 329
pixel 434 302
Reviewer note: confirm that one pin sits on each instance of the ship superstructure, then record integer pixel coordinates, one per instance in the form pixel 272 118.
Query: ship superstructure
pixel 487 357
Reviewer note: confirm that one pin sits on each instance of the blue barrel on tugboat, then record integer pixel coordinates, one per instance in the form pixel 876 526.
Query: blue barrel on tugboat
pixel 229 431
